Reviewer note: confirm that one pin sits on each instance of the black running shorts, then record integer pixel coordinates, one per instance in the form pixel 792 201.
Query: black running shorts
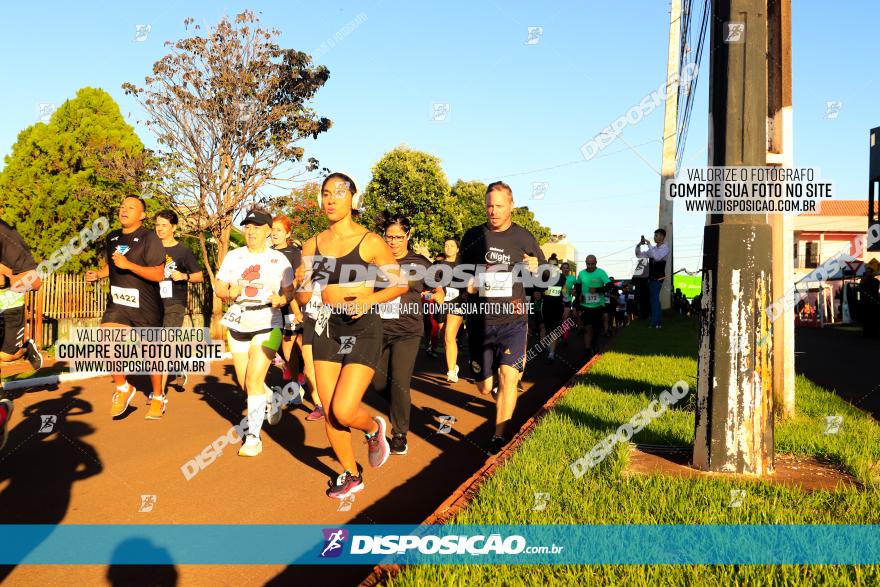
pixel 350 341
pixel 11 330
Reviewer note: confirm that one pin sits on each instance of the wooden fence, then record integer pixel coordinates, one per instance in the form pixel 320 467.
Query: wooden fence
pixel 67 301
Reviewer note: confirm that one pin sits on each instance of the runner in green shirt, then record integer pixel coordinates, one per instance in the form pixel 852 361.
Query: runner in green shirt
pixel 590 287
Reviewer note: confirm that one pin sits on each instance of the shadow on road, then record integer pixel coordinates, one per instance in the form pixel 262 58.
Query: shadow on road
pixel 40 479
pixel 229 402
pixel 120 574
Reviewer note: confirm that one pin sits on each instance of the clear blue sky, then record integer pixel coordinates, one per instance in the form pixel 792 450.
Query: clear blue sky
pixel 516 109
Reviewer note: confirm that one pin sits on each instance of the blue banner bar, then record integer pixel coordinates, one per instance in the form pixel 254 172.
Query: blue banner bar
pixel 438 544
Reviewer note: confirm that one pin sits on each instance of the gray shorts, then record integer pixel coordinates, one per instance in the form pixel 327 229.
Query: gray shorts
pixel 173 317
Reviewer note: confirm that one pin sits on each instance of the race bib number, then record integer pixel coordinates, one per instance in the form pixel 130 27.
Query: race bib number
pixel 312 307
pixel 165 288
pixel 591 298
pixel 322 320
pixel 390 310
pixel 289 320
pixel 232 317
pixel 125 296
pixel 496 284
pixel 607 300
pixel 451 293
pixel 631 297
pixel 554 291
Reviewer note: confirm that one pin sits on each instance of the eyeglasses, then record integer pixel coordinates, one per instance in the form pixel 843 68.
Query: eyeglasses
pixel 393 237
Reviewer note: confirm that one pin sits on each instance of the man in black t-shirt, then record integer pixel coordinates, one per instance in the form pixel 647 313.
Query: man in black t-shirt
pixel 181 269
pixel 493 254
pixel 135 264
pixel 18 275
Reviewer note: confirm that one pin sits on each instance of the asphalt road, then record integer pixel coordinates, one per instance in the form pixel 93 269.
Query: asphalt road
pixel 92 469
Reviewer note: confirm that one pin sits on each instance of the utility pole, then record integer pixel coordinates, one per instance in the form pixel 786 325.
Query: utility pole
pixel 670 134
pixel 734 414
pixel 780 143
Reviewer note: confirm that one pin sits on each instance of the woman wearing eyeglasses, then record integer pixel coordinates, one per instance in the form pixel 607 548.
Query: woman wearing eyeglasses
pixel 402 330
pixel 348 333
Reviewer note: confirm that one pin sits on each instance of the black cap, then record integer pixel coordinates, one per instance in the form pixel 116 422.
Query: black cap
pixel 258 218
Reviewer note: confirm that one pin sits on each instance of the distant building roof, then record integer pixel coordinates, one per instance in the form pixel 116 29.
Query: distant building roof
pixel 842 208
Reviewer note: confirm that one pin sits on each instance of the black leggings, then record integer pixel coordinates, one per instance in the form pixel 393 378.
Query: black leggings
pixel 393 377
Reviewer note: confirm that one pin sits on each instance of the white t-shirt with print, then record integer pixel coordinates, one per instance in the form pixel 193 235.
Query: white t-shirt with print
pixel 260 275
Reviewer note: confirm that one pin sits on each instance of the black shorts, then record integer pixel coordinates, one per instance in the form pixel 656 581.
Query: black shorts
pixel 308 330
pixel 494 345
pixel 173 316
pixel 552 317
pixel 11 330
pixel 129 317
pixel 592 316
pixel 350 341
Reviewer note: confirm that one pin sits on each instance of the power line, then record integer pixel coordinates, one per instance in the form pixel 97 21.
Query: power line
pixel 574 162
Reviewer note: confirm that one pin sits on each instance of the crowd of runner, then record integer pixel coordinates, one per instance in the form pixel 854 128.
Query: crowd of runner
pixel 352 305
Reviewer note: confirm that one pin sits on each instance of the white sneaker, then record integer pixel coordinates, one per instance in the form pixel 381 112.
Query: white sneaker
pixel 273 409
pixel 452 376
pixel 252 446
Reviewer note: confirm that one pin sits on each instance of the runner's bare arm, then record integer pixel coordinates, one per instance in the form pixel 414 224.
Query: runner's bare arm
pixel 25 281
pixel 303 286
pixel 297 311
pixel 197 277
pixel 227 291
pixel 284 298
pixel 153 273
pixel 102 273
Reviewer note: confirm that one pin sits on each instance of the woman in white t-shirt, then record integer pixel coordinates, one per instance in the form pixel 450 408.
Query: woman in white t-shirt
pixel 249 279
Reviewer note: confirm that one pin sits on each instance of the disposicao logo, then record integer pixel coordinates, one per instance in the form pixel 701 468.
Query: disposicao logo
pixel 334 538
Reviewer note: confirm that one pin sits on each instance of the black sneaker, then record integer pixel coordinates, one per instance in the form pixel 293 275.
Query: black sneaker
pixel 431 353
pixel 496 444
pixel 345 485
pixel 5 414
pixel 398 444
pixel 33 354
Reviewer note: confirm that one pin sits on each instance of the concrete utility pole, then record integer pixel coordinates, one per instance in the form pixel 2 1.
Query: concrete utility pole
pixel 670 134
pixel 734 417
pixel 779 152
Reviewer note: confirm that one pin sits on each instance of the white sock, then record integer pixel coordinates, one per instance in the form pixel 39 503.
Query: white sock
pixel 123 387
pixel 256 405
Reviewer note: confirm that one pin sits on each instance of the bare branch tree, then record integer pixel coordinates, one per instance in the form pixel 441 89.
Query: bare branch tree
pixel 229 110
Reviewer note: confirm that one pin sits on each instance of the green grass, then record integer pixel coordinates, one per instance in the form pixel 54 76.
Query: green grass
pixel 644 363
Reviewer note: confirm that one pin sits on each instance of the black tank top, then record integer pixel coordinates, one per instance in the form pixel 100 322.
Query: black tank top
pixel 328 270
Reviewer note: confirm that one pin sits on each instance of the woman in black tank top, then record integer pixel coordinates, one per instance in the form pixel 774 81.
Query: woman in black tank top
pixel 344 260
